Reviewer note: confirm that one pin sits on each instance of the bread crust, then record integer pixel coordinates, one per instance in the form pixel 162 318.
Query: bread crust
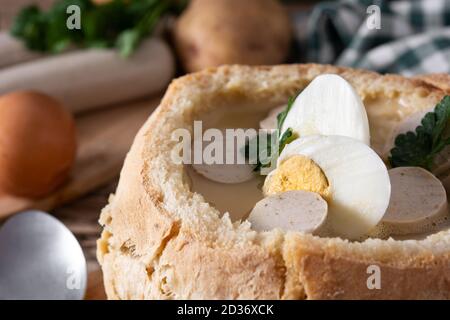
pixel 162 241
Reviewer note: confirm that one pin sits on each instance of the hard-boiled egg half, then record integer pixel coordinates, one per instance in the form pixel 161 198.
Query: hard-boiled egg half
pixel 329 106
pixel 332 158
pixel 348 174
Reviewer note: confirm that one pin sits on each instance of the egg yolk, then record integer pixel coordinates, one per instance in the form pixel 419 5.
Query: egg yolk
pixel 297 173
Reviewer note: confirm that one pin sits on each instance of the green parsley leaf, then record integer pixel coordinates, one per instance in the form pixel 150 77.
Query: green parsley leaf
pixel 287 137
pixel 420 147
pixel 30 25
pixel 127 42
pixel 120 23
pixel 282 115
pixel 264 155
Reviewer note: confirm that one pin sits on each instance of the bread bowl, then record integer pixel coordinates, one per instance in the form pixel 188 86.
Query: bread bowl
pixel 162 240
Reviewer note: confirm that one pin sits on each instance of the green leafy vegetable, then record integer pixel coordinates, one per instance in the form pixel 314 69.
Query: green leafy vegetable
pixel 120 23
pixel 30 24
pixel 420 147
pixel 282 115
pixel 287 137
pixel 264 155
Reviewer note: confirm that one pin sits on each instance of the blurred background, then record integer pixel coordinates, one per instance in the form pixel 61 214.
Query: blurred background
pixel 92 77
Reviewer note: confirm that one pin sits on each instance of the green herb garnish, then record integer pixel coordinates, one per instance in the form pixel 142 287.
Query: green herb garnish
pixel 265 156
pixel 282 115
pixel 420 147
pixel 262 155
pixel 120 23
pixel 287 137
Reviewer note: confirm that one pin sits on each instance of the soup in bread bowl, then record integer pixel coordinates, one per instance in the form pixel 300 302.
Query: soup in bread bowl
pixel 324 217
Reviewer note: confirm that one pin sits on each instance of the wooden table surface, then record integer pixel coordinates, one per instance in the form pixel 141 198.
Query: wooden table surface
pixel 80 216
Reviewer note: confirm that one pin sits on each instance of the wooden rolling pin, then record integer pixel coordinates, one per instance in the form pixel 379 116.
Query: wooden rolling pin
pixel 90 78
pixel 12 51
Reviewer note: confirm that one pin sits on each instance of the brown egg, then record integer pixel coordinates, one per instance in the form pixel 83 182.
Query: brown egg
pixel 37 144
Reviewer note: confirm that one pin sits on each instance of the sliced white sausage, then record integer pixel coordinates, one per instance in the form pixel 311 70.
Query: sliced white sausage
pixel 225 173
pixel 232 167
pixel 296 210
pixel 271 121
pixel 90 78
pixel 441 167
pixel 418 202
pixel 446 183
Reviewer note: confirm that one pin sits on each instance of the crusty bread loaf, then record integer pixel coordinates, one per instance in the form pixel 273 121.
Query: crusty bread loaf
pixel 439 80
pixel 162 241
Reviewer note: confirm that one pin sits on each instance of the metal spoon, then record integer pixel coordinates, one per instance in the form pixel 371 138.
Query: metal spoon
pixel 40 259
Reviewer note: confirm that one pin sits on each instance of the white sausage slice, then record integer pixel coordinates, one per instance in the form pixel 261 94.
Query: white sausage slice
pixel 418 202
pixel 225 171
pixel 441 167
pixel 271 121
pixel 296 210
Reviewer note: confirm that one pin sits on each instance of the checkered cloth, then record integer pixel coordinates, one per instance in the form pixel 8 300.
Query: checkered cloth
pixel 413 38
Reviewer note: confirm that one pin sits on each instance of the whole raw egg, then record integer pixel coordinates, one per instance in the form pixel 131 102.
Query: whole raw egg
pixel 37 144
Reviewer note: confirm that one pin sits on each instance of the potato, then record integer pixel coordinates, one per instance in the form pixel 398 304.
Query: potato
pixel 215 32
